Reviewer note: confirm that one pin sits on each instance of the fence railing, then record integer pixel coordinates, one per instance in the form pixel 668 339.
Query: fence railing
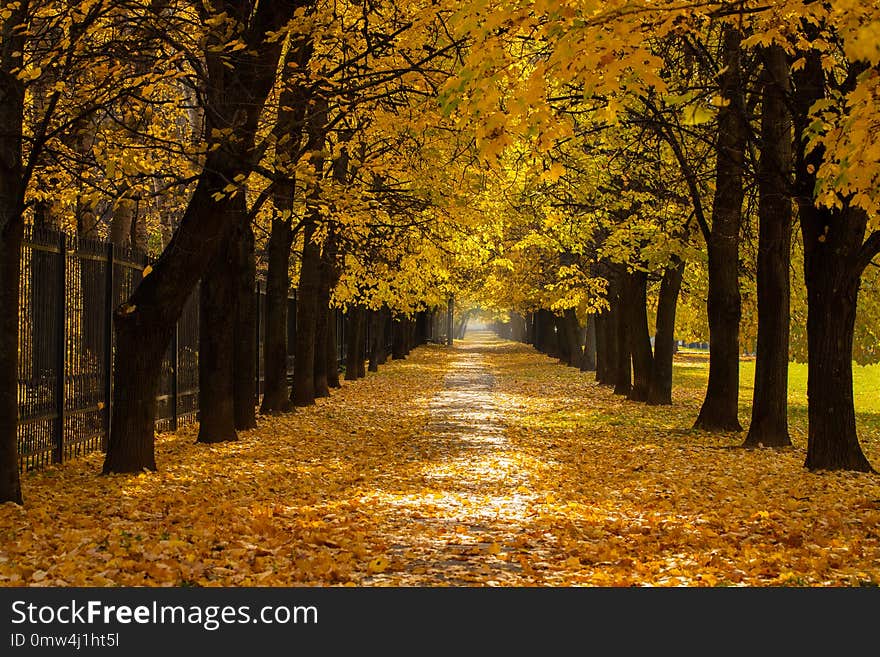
pixel 69 288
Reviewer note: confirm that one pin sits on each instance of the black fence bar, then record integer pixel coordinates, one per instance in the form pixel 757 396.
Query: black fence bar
pixel 257 354
pixel 175 369
pixel 108 342
pixel 60 350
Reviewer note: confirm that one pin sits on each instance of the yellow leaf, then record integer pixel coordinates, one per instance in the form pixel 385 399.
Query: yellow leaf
pixel 377 565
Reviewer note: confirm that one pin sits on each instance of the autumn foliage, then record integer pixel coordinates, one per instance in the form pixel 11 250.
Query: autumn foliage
pixel 488 464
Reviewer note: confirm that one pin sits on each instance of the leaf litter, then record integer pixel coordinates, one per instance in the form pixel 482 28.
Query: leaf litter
pixel 483 465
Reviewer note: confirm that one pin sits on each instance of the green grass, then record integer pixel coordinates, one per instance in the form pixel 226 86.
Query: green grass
pixel 691 372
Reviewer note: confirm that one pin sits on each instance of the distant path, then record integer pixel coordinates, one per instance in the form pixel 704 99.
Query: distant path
pixel 478 495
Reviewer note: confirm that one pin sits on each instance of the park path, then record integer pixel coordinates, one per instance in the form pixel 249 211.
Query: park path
pixel 474 494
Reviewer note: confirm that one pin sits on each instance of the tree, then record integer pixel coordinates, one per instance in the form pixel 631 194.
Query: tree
pixel 769 425
pixel 237 82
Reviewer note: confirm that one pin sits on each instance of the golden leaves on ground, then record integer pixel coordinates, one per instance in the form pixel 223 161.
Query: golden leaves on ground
pixel 483 465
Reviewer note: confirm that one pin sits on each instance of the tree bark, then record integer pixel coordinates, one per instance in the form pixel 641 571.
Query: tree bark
pixel 720 406
pixel 303 393
pixel 245 339
pixel 275 392
pixel 354 359
pixel 377 349
pixel 322 387
pixel 145 323
pixel 588 361
pixel 308 291
pixel 574 351
pixel 332 354
pixel 660 389
pixel 11 237
pixel 769 424
pixel 398 338
pixel 639 335
pixel 835 254
pixel 621 329
pixel 217 297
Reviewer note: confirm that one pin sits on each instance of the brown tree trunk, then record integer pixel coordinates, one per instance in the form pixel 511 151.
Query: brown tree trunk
pixel 385 330
pixel 720 406
pixel 332 354
pixel 639 335
pixel 574 351
pixel 832 294
pixel 769 425
pixel 354 359
pixel 835 254
pixel 398 338
pixel 660 389
pixel 588 361
pixel 303 393
pixel 362 345
pixel 145 323
pixel 322 387
pixel 11 237
pixel 377 348
pixel 275 392
pixel 244 335
pixel 308 291
pixel 217 302
pixel 623 366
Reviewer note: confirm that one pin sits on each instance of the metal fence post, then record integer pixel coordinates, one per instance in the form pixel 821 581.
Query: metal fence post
pixel 257 339
pixel 109 282
pixel 61 349
pixel 175 367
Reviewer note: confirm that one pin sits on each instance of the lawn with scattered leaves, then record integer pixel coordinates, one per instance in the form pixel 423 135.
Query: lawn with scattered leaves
pixel 487 464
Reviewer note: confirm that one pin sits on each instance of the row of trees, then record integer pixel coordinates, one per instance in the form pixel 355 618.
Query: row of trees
pixel 641 150
pixel 297 140
pixel 587 160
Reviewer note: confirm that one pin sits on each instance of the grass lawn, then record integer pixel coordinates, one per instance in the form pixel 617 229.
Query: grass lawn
pixel 692 369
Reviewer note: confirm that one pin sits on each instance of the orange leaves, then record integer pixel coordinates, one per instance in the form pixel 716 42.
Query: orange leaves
pixel 515 471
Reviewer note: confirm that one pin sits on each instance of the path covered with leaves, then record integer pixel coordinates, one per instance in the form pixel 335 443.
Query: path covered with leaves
pixel 486 464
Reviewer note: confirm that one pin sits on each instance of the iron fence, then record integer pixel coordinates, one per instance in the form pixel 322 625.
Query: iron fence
pixel 69 288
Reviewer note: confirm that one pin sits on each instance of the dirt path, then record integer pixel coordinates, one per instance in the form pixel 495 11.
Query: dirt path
pixel 474 491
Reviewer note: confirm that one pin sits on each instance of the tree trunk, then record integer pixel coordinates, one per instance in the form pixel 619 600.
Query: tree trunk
pixel 145 323
pixel 639 335
pixel 769 425
pixel 574 352
pixel 562 339
pixel 303 393
pixel 832 293
pixel 11 237
pixel 362 345
pixel 322 387
pixel 720 406
pixel 385 330
pixel 398 339
pixel 377 317
pixel 835 254
pixel 353 359
pixel 549 337
pixel 218 294
pixel 623 365
pixel 660 389
pixel 332 353
pixel 275 393
pixel 244 335
pixel 588 361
